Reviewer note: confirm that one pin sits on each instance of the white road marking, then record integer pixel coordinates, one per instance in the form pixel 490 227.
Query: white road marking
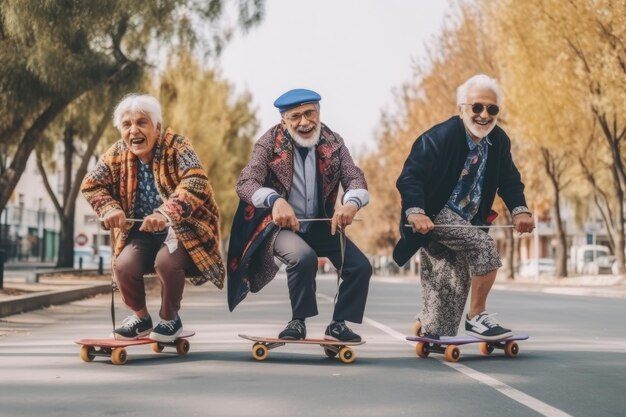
pixel 514 394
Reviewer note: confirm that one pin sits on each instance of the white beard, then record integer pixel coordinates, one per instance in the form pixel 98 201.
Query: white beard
pixel 476 129
pixel 303 142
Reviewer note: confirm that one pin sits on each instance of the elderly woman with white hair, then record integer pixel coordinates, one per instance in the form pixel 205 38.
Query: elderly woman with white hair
pixel 447 186
pixel 155 175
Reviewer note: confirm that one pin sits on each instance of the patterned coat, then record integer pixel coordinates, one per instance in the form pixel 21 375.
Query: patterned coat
pixel 183 186
pixel 251 256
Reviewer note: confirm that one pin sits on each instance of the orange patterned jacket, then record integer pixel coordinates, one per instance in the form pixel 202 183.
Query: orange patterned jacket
pixel 184 187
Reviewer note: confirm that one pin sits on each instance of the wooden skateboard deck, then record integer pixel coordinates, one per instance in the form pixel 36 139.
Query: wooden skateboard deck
pixel 332 348
pixel 115 349
pixel 449 345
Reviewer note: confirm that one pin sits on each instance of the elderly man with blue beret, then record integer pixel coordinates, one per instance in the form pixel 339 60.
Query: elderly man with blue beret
pixel 293 178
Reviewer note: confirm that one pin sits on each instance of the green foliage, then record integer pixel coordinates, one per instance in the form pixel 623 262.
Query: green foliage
pixel 53 52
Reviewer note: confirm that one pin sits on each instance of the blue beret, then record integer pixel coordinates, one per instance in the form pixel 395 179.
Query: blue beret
pixel 294 98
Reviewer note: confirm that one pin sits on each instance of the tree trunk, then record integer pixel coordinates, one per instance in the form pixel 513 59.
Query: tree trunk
pixel 66 243
pixel 510 249
pixel 11 176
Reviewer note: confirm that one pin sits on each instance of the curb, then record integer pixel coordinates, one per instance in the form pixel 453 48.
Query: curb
pixel 29 302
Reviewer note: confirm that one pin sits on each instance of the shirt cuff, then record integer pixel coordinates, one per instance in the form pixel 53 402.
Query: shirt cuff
pixel 260 197
pixel 358 196
pixel 414 210
pixel 520 209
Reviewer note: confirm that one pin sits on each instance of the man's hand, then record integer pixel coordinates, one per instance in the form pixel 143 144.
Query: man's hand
pixel 115 219
pixel 153 223
pixel 284 216
pixel 524 222
pixel 343 217
pixel 421 223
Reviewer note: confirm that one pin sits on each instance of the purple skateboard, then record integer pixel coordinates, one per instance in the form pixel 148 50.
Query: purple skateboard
pixel 449 346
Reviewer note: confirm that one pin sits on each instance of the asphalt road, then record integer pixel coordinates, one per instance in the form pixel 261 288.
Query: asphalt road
pixel 574 364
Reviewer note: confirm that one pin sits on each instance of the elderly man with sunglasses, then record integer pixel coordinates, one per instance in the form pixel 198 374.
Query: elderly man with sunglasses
pixel 291 182
pixel 447 186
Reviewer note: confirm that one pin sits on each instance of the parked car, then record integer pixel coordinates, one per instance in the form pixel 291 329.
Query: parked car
pixel 592 259
pixel 534 268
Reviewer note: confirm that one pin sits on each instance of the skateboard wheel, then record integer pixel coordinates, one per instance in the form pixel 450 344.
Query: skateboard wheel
pixel 259 351
pixel 452 353
pixel 416 328
pixel 331 353
pixel 511 349
pixel 421 349
pixel 182 346
pixel 86 353
pixel 346 355
pixel 485 348
pixel 118 356
pixel 157 347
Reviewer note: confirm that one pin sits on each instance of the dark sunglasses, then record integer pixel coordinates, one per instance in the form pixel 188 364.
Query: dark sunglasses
pixel 477 108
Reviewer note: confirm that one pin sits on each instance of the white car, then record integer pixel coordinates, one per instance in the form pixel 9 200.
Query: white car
pixel 534 268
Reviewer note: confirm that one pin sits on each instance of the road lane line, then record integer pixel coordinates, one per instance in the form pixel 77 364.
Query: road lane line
pixel 514 394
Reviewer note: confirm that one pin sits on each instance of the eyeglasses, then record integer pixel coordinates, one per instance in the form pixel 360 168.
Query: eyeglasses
pixel 296 117
pixel 477 108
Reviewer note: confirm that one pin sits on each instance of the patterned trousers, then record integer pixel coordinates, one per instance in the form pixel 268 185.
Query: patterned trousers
pixel 448 262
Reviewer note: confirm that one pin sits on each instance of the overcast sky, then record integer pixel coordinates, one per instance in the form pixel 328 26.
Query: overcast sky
pixel 354 53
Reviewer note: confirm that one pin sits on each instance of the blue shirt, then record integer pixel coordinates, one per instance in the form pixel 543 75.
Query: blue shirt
pixel 147 198
pixel 465 198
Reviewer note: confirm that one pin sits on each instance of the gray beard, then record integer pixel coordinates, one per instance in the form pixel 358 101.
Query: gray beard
pixel 306 143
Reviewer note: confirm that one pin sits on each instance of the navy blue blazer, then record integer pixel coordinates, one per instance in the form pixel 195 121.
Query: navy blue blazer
pixel 433 168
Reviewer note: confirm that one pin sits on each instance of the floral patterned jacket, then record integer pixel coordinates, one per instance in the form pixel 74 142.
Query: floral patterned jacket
pixel 250 256
pixel 187 196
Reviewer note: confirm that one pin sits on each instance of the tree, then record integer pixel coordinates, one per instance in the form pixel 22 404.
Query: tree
pixel 102 43
pixel 567 75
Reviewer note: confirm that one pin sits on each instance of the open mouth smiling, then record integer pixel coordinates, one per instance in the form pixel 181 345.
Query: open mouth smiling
pixel 137 141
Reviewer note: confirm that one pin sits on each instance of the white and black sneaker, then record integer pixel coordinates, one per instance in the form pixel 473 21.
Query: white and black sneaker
pixel 339 331
pixel 132 328
pixel 485 326
pixel 295 330
pixel 167 330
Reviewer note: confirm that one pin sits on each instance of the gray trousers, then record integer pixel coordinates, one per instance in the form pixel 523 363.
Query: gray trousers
pixel 448 262
pixel 299 251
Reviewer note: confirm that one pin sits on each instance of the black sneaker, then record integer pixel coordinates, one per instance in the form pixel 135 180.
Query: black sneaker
pixel 295 330
pixel 133 328
pixel 339 331
pixel 485 326
pixel 167 330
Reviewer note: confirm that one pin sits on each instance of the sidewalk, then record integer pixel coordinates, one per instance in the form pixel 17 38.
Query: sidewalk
pixel 19 295
pixel 609 286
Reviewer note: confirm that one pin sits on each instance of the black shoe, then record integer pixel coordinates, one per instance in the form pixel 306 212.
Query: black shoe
pixel 295 330
pixel 339 331
pixel 485 326
pixel 133 328
pixel 167 330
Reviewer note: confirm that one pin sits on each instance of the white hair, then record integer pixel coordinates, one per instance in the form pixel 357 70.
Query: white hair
pixel 137 103
pixel 481 81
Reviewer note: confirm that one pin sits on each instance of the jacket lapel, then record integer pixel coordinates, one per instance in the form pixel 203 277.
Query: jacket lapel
pixel 328 164
pixel 282 163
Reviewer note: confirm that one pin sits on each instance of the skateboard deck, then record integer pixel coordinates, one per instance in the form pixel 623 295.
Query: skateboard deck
pixel 332 348
pixel 449 346
pixel 115 349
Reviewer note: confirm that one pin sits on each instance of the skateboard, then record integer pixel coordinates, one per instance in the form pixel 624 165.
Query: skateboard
pixel 332 348
pixel 449 346
pixel 115 349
